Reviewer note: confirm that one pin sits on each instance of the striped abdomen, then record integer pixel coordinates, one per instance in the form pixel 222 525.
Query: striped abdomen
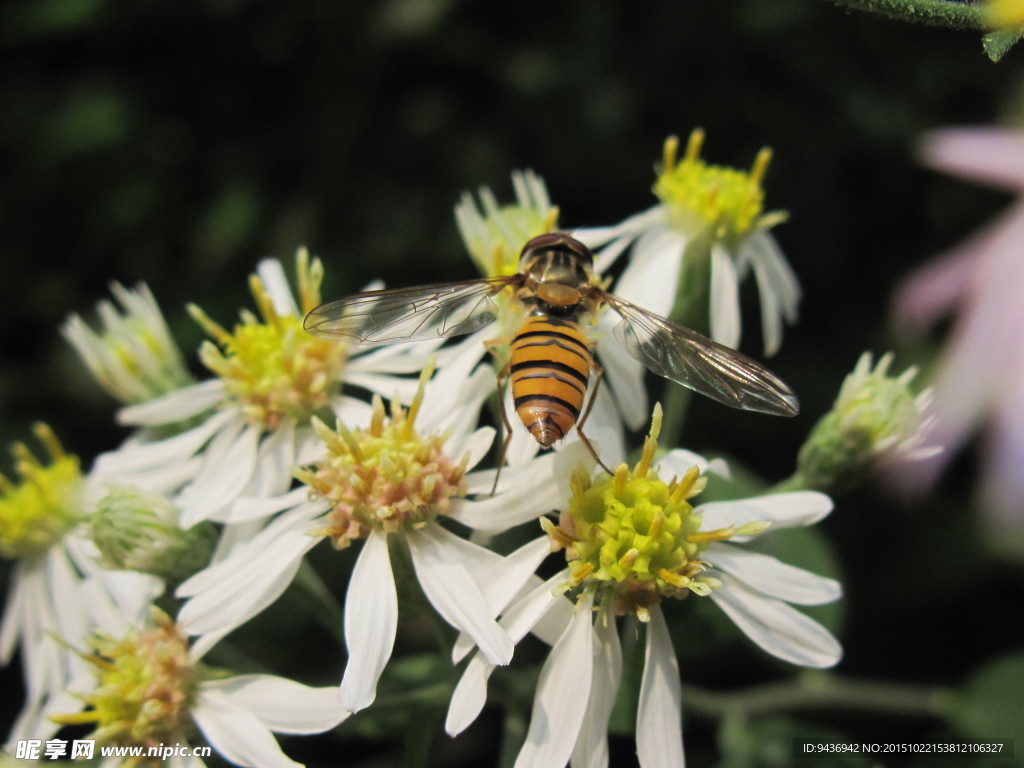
pixel 550 365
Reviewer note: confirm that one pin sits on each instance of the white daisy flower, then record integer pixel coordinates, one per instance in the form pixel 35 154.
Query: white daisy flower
pixel 135 359
pixel 631 542
pixel 149 689
pixel 705 236
pixel 387 483
pixel 41 531
pixel 271 378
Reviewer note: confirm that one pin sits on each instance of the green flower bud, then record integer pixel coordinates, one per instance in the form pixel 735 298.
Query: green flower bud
pixel 877 419
pixel 138 531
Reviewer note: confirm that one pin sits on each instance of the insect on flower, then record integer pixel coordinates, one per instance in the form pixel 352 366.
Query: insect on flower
pixel 551 362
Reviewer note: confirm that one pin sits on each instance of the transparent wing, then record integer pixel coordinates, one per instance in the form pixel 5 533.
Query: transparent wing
pixel 695 361
pixel 409 314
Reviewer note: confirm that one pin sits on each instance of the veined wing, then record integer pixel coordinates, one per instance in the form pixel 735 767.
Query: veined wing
pixel 695 361
pixel 409 314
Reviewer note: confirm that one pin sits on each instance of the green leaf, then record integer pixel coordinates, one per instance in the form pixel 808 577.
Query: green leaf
pixel 997 43
pixel 990 704
pixel 770 743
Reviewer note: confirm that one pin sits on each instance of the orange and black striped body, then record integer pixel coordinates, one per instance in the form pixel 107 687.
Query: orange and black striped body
pixel 550 365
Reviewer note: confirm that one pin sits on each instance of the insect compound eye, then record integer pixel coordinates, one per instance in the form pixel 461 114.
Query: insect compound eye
pixel 559 242
pixel 542 242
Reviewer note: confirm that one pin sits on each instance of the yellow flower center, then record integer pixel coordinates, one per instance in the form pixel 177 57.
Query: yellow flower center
pixel 724 203
pixel 145 687
pixel 634 538
pixel 45 504
pixel 1002 14
pixel 270 365
pixel 386 477
pixel 495 234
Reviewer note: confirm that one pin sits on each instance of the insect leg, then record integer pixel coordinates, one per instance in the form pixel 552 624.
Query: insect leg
pixel 598 375
pixel 502 374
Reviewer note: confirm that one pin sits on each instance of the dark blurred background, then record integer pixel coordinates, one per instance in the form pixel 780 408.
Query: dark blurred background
pixel 178 143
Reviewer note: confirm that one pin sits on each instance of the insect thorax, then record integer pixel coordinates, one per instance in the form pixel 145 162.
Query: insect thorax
pixel 558 272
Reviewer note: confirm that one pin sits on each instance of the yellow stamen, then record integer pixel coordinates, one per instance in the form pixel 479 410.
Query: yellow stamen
pixel 212 328
pixel 719 534
pixel 551 219
pixel 676 579
pixel 263 303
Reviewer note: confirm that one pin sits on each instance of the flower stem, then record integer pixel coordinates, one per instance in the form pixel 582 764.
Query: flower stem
pixel 822 690
pixel 691 309
pixel 411 595
pixel 325 606
pixel 943 13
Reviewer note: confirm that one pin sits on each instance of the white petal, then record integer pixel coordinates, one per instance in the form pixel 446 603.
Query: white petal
pixel 10 629
pixel 659 723
pixel 778 289
pixel 456 596
pixel 503 582
pixel 282 705
pixel 524 494
pixel 592 745
pixel 678 461
pixel 476 446
pixel 771 577
pixel 544 611
pixel 469 696
pixel 273 474
pixel 782 510
pixel 604 428
pixel 565 680
pixel 371 622
pixel 175 406
pixel 232 591
pixel 250 508
pixel 594 237
pixel 236 734
pixel 778 628
pixel 771 316
pixel 134 456
pixel 625 375
pixel 479 561
pixel 725 299
pixel 230 463
pixel 652 277
pixel 118 601
pixel 271 273
pixel 392 358
pixel 64 591
pixel 453 406
pixel 387 386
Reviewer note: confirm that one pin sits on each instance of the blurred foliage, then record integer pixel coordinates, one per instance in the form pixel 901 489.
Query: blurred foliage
pixel 178 143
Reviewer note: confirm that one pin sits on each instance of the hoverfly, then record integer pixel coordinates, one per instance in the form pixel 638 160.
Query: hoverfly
pixel 551 360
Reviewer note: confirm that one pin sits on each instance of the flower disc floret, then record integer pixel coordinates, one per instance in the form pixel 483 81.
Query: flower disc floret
pixel 634 538
pixel 270 366
pixel 386 477
pixel 38 510
pixel 495 234
pixel 724 203
pixel 145 687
